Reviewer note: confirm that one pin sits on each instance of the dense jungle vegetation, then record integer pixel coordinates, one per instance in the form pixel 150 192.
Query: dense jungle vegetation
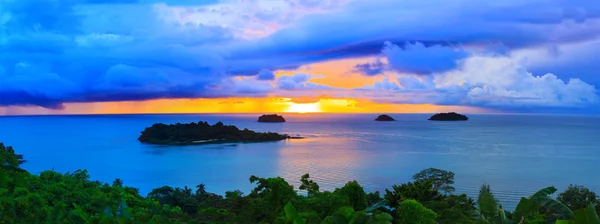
pixel 52 197
pixel 202 133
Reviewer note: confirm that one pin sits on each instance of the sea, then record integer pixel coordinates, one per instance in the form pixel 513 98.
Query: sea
pixel 516 154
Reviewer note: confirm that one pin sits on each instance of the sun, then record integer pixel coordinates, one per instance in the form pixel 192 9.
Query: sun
pixel 304 108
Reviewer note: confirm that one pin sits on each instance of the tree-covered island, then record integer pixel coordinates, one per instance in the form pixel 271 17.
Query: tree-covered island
pixel 203 133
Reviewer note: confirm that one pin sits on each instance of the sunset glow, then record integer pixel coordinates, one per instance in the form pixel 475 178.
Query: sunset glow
pixel 304 108
pixel 241 105
pixel 272 56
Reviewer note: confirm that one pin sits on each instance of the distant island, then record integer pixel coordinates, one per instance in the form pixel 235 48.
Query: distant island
pixel 203 133
pixel 271 118
pixel 452 116
pixel 384 117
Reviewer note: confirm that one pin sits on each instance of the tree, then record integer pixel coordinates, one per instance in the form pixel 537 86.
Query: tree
pixel 411 211
pixel 442 180
pixel 201 189
pixel 488 205
pixel 310 186
pixel 8 157
pixel 276 191
pixel 117 183
pixel 373 198
pixel 421 191
pixel 233 194
pixel 455 209
pixel 578 197
pixel 356 195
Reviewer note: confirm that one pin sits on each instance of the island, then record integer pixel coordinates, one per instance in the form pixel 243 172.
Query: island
pixel 203 133
pixel 271 118
pixel 384 117
pixel 452 116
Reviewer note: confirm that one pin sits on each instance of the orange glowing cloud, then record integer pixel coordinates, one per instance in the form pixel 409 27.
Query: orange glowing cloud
pixel 337 73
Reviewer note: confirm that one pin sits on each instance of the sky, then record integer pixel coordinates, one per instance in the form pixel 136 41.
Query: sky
pixel 337 56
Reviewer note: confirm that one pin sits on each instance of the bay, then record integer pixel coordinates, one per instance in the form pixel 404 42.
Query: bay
pixel 515 154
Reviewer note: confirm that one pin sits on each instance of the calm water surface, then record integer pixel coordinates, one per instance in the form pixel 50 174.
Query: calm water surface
pixel 516 154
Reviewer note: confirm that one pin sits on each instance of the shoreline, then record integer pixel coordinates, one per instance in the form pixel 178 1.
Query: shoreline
pixel 219 141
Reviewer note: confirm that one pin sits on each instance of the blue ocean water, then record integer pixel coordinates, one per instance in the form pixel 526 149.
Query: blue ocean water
pixel 515 154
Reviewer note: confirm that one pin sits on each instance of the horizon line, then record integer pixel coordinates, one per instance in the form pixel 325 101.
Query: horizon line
pixel 288 113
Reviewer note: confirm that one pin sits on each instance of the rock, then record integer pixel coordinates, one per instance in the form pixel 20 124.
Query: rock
pixel 452 116
pixel 271 118
pixel 384 117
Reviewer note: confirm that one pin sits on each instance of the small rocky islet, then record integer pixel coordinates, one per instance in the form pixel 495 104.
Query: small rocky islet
pixel 452 116
pixel 204 133
pixel 384 117
pixel 271 118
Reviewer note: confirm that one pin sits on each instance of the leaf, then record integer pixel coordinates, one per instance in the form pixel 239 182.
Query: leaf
pixel 327 220
pixel 338 219
pixel 502 216
pixel 542 197
pixel 525 206
pixel 292 214
pixel 383 218
pixel 334 219
pixel 543 193
pixel 124 209
pixel 563 221
pixel 345 212
pixel 79 212
pixel 586 215
pixel 561 211
pixel 122 220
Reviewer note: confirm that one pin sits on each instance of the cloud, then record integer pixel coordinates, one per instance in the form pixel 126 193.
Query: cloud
pixel 418 59
pixel 116 50
pixel 487 81
pixel 385 85
pixel 371 69
pixel 502 81
pixel 447 23
pixel 265 74
pixel 113 50
pixel 299 81
pixel 580 60
pixel 305 99
pixel 70 53
pixel 414 83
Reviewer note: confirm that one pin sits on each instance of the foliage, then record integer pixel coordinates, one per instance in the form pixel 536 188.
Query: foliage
pixel 455 209
pixel 356 195
pixel 202 132
pixel 541 202
pixel 310 186
pixel 271 118
pixel 452 116
pixel 578 197
pixel 411 211
pixel 422 191
pixel 586 215
pixel 52 197
pixel 292 214
pixel 374 198
pixel 442 180
pixel 488 205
